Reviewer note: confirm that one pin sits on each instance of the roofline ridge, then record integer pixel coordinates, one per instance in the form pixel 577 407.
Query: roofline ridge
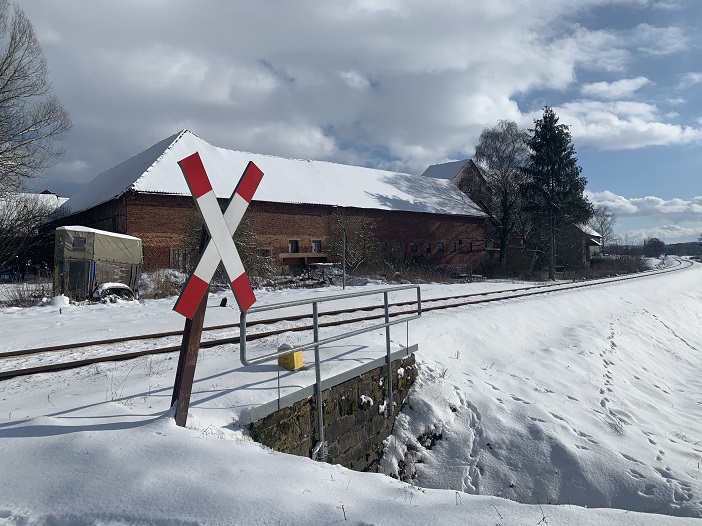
pixel 161 156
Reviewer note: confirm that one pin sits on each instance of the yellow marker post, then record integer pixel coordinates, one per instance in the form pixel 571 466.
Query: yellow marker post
pixel 292 361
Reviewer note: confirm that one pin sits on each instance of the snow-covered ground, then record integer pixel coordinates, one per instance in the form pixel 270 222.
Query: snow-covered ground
pixel 578 407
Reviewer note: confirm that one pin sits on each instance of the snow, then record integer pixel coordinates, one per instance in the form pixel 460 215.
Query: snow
pixel 586 229
pixel 286 181
pixel 589 400
pixel 80 228
pixel 447 170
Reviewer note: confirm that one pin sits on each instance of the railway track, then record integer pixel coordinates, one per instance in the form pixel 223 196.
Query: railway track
pixel 92 352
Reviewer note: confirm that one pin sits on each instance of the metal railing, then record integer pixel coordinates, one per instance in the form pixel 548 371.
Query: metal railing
pixel 320 447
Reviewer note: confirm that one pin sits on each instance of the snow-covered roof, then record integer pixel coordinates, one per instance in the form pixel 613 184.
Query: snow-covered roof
pixel 285 181
pixel 445 170
pixel 587 230
pixel 79 228
pixel 50 201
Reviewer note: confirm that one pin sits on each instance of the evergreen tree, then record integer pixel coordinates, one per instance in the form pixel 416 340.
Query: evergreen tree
pixel 553 194
pixel 653 247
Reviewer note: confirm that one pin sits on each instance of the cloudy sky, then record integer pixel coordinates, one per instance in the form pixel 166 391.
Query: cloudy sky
pixel 396 84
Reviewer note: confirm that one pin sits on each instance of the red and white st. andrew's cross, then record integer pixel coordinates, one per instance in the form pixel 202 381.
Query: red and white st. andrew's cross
pixel 221 227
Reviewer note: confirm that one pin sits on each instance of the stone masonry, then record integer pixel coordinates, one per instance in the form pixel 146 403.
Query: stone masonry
pixel 355 421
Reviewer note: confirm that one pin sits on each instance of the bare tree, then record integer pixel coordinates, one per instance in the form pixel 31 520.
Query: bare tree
pixel 501 154
pixel 20 217
pixel 31 118
pixel 603 221
pixel 361 243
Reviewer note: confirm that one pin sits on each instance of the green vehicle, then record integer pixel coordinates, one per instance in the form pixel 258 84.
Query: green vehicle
pixel 86 259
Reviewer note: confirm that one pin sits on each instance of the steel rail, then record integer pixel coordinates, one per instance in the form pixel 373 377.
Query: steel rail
pixel 256 336
pixel 297 317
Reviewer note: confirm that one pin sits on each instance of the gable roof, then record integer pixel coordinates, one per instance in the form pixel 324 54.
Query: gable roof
pixel 445 170
pixel 299 181
pixel 48 201
pixel 588 230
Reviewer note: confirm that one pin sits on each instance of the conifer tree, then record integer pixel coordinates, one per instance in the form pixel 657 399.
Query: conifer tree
pixel 553 194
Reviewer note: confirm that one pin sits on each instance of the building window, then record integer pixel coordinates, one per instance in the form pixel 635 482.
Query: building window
pixel 316 245
pixel 79 244
pixel 383 245
pixel 398 246
pixel 427 248
pixel 439 247
pixel 452 246
pixel 413 246
pixel 293 246
pixel 469 246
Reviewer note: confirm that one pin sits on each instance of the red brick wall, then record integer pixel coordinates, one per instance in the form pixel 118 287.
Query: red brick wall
pixel 165 221
pixel 110 216
pixel 162 222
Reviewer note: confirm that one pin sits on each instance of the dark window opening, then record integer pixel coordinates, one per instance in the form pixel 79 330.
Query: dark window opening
pixel 427 248
pixel 316 245
pixel 439 247
pixel 293 246
pixel 79 244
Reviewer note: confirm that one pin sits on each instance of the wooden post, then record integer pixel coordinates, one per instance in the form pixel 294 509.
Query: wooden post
pixel 189 348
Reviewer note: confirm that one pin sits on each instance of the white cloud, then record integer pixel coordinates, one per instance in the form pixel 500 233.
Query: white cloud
pixel 672 220
pixel 690 79
pixel 354 79
pixel 297 80
pixel 659 41
pixel 666 233
pixel 614 90
pixel 685 209
pixel 623 125
pixel 179 74
pixel 667 5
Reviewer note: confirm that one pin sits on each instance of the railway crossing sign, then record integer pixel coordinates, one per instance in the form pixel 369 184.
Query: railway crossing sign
pixel 220 247
pixel 221 228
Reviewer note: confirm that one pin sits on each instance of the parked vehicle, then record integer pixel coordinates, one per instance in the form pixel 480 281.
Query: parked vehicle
pixel 111 292
pixel 86 258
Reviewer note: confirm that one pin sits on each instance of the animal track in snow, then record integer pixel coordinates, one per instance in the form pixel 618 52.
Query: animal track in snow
pixel 649 436
pixel 557 417
pixel 517 399
pixel 631 459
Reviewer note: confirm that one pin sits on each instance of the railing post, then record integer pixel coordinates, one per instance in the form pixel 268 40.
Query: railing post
pixel 242 337
pixel 388 360
pixel 320 448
